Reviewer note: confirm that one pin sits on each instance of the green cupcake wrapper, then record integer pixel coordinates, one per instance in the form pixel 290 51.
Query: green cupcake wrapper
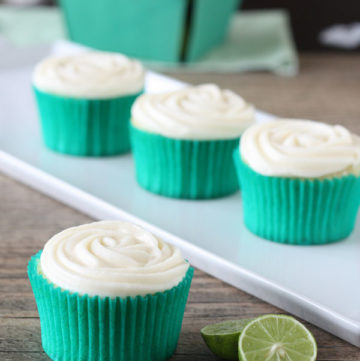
pixel 178 168
pixel 298 211
pixel 85 127
pixel 84 328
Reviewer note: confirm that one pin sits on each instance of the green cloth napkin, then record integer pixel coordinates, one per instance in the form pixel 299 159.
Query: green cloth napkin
pixel 257 40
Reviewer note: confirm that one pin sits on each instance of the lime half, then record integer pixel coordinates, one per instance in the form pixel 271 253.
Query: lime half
pixel 223 338
pixel 276 338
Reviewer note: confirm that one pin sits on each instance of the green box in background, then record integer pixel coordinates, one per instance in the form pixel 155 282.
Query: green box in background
pixel 210 22
pixel 166 30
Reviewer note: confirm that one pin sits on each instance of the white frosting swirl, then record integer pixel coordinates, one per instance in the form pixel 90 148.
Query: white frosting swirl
pixel 89 75
pixel 200 112
pixel 111 258
pixel 300 148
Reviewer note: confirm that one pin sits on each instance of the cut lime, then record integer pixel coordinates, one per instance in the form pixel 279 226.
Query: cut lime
pixel 222 338
pixel 276 338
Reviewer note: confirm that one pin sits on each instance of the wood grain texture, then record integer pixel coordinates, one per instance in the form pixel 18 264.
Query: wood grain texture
pixel 327 89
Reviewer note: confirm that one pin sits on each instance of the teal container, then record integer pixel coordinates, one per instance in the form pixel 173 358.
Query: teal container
pixel 298 211
pixel 179 168
pixel 79 327
pixel 85 127
pixel 164 30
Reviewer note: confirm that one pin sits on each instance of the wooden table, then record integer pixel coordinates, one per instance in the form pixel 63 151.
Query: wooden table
pixel 327 89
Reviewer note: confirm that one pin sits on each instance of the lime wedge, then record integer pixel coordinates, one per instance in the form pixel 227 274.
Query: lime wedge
pixel 222 338
pixel 276 338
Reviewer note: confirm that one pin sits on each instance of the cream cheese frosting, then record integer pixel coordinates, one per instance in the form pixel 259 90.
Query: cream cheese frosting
pixel 89 75
pixel 300 148
pixel 111 258
pixel 200 112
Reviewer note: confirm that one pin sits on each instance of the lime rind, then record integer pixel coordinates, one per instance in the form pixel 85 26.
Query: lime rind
pixel 225 327
pixel 276 338
pixel 222 338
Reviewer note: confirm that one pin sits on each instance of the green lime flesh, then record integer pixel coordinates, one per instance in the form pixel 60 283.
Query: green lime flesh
pixel 222 338
pixel 276 338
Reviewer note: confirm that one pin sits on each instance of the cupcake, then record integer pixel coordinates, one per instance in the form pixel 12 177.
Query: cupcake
pixel 84 102
pixel 109 291
pixel 183 141
pixel 300 181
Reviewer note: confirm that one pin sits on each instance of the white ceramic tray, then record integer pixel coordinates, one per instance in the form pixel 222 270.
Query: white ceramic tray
pixel 320 284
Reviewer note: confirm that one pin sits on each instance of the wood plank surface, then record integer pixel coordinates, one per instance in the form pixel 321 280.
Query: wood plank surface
pixel 327 89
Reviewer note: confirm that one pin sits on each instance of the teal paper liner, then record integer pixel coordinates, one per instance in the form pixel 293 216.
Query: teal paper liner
pixel 78 328
pixel 190 169
pixel 298 211
pixel 85 127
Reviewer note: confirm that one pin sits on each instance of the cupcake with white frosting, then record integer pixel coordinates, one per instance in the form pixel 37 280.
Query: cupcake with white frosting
pixel 109 291
pixel 183 140
pixel 300 181
pixel 84 101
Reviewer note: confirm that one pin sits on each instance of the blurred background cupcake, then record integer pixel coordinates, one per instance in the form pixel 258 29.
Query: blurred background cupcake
pixel 300 181
pixel 84 102
pixel 183 141
pixel 109 291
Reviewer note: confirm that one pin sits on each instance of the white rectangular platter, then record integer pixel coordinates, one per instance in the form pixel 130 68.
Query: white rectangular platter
pixel 320 284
